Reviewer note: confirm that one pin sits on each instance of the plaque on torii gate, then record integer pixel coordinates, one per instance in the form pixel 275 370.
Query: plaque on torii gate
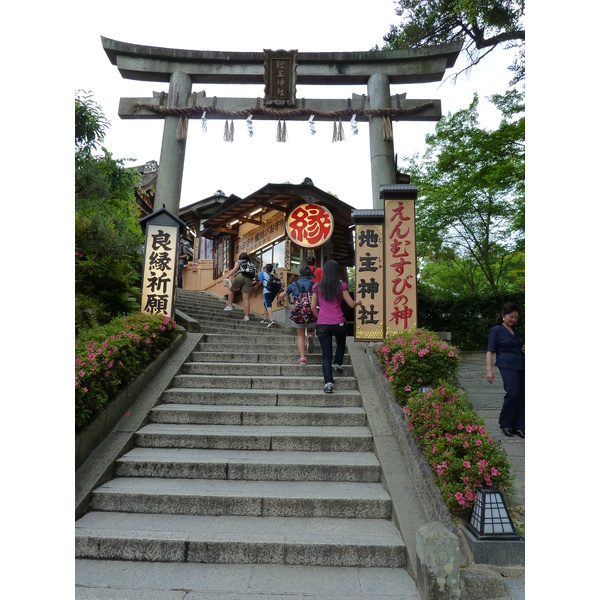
pixel 183 68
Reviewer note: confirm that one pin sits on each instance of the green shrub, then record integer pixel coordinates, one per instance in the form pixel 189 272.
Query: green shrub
pixel 416 358
pixel 451 436
pixel 109 357
pixel 455 443
pixel 468 317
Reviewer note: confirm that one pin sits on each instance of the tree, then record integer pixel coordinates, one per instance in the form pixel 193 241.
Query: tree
pixel 485 25
pixel 471 204
pixel 108 237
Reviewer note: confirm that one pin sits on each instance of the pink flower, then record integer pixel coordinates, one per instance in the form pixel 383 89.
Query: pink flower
pixel 81 373
pixel 407 388
pixel 494 471
pixel 466 464
pixel 461 499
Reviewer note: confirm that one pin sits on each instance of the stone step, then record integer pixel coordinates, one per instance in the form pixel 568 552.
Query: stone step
pixel 237 327
pixel 138 580
pixel 218 497
pixel 256 465
pixel 255 369
pixel 217 311
pixel 255 437
pixel 240 540
pixel 244 341
pixel 264 357
pixel 254 397
pixel 258 382
pixel 258 415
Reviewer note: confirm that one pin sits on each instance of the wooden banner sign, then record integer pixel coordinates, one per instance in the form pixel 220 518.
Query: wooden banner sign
pixel 160 269
pixel 261 236
pixel 369 282
pixel 309 225
pixel 400 265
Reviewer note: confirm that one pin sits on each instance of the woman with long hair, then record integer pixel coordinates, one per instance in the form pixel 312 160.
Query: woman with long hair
pixel 326 304
pixel 506 343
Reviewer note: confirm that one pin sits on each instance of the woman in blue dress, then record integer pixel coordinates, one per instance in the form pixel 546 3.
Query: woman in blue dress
pixel 505 342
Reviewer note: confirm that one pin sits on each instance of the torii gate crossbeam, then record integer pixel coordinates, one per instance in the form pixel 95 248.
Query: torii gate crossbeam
pixel 183 68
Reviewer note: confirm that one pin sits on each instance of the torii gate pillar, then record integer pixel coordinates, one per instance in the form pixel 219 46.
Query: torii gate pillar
pixel 383 168
pixel 172 152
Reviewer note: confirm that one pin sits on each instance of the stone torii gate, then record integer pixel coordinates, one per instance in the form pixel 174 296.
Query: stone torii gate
pixel 279 71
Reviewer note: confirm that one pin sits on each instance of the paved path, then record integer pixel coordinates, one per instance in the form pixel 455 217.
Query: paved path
pixel 487 401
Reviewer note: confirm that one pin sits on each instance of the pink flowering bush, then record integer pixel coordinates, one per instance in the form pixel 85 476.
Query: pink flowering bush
pixel 109 357
pixel 456 445
pixel 416 358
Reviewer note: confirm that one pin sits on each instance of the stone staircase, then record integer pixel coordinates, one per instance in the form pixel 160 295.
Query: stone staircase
pixel 248 462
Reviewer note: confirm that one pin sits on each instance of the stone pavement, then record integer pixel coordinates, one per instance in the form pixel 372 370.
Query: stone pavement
pixel 487 401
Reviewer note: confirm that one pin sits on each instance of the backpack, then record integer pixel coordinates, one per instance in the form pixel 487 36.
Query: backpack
pixel 301 310
pixel 273 283
pixel 247 268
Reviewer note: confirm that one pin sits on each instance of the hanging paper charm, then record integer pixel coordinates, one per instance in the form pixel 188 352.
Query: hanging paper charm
pixel 281 132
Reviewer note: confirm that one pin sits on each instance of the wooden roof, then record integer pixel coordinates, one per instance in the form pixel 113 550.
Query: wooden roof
pixel 284 197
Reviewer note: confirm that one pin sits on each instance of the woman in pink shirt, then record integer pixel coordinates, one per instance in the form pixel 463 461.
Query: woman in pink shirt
pixel 327 296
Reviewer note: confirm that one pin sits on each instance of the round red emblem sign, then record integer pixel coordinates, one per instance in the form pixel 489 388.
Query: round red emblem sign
pixel 309 225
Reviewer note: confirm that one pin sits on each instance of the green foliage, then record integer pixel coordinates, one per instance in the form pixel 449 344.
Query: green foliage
pixel 485 24
pixel 450 434
pixel 109 357
pixel 351 271
pixel 108 238
pixel 448 273
pixel 105 286
pixel 90 123
pixel 472 192
pixel 416 358
pixel 468 317
pixel 456 445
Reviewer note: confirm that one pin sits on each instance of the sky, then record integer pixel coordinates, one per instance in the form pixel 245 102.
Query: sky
pixel 248 163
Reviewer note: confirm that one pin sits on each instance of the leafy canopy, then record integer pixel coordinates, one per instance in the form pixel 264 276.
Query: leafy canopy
pixel 484 24
pixel 472 192
pixel 108 237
